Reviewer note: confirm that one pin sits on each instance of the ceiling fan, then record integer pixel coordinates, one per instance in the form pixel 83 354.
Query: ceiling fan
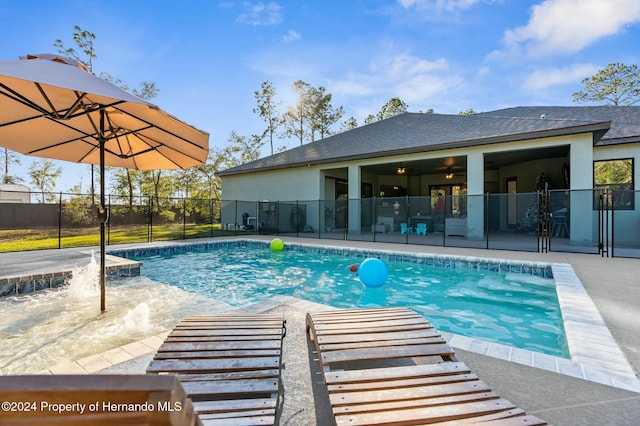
pixel 450 174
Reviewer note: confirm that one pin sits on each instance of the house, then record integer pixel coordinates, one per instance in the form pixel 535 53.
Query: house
pixel 14 193
pixel 509 151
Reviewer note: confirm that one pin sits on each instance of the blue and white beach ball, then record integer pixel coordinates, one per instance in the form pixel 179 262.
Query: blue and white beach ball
pixel 277 244
pixel 373 272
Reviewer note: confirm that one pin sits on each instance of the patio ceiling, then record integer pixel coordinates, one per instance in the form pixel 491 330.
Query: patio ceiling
pixel 420 167
pixel 459 163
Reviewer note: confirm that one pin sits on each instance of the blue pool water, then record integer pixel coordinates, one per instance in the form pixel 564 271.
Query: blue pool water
pixel 519 310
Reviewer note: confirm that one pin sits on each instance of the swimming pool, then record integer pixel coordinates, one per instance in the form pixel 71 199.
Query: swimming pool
pixel 509 303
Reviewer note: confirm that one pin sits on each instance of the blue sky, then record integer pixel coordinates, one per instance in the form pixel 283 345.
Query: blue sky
pixel 208 57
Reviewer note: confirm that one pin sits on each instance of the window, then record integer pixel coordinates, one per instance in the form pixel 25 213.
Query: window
pixel 455 199
pixel 616 178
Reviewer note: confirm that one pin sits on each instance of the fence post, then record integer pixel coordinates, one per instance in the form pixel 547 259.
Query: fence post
pixel 486 218
pixel 375 219
pixel 184 218
pixel 257 216
pixel 210 217
pixel 60 221
pixel 608 205
pixel 406 219
pixel 150 226
pixel 320 217
pixel 235 219
pixel 109 221
pixel 613 209
pixel 345 218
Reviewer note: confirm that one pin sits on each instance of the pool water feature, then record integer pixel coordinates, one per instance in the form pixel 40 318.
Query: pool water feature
pixel 52 327
pixel 489 303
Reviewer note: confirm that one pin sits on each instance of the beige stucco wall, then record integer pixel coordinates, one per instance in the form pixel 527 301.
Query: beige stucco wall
pixel 300 183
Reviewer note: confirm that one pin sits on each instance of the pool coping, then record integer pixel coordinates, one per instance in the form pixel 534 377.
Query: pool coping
pixel 595 355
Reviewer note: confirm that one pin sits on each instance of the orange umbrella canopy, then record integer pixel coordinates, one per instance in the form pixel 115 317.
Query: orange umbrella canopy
pixel 50 107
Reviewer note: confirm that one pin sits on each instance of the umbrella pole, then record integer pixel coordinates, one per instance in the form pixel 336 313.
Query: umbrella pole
pixel 103 217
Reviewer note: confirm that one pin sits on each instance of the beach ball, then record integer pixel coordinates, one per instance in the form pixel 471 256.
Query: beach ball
pixel 276 244
pixel 373 272
pixel 353 268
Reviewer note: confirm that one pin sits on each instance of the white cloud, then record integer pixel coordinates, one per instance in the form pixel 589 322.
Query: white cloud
pixel 483 71
pixel 446 5
pixel 415 80
pixel 545 78
pixel 568 26
pixel 291 36
pixel 261 14
pixel 405 65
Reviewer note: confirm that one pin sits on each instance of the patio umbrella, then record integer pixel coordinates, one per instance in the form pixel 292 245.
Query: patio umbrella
pixel 51 107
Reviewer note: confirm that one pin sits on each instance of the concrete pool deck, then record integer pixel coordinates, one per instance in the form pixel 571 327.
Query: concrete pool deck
pixel 557 393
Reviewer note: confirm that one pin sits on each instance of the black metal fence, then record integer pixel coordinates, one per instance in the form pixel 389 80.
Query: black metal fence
pixel 589 221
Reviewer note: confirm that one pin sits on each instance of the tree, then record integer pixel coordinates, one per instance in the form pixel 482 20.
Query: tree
pixel 160 187
pixel 242 149
pixel 43 176
pixel 313 112
pixel 349 124
pixel 9 157
pixel 84 40
pixel 324 115
pixel 124 183
pixel 370 119
pixel 297 119
pixel 616 85
pixel 267 109
pixel 77 209
pixel 470 111
pixel 186 181
pixel 392 108
pixel 216 161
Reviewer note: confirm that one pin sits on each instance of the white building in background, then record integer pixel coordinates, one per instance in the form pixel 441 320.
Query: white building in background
pixel 14 193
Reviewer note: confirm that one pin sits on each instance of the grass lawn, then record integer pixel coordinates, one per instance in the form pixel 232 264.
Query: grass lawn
pixel 48 238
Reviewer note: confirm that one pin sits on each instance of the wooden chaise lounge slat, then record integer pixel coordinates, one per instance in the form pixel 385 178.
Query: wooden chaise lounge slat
pixel 106 400
pixel 389 366
pixel 229 365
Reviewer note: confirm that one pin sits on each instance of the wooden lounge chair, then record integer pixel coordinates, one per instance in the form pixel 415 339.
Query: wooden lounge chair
pixel 94 400
pixel 229 366
pixel 390 366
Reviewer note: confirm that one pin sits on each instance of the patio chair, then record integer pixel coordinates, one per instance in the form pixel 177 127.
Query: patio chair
pixel 101 399
pixel 404 229
pixel 229 365
pixel 390 366
pixel 421 228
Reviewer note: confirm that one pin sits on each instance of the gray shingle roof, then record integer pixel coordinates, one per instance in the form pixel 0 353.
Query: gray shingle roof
pixel 416 132
pixel 625 120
